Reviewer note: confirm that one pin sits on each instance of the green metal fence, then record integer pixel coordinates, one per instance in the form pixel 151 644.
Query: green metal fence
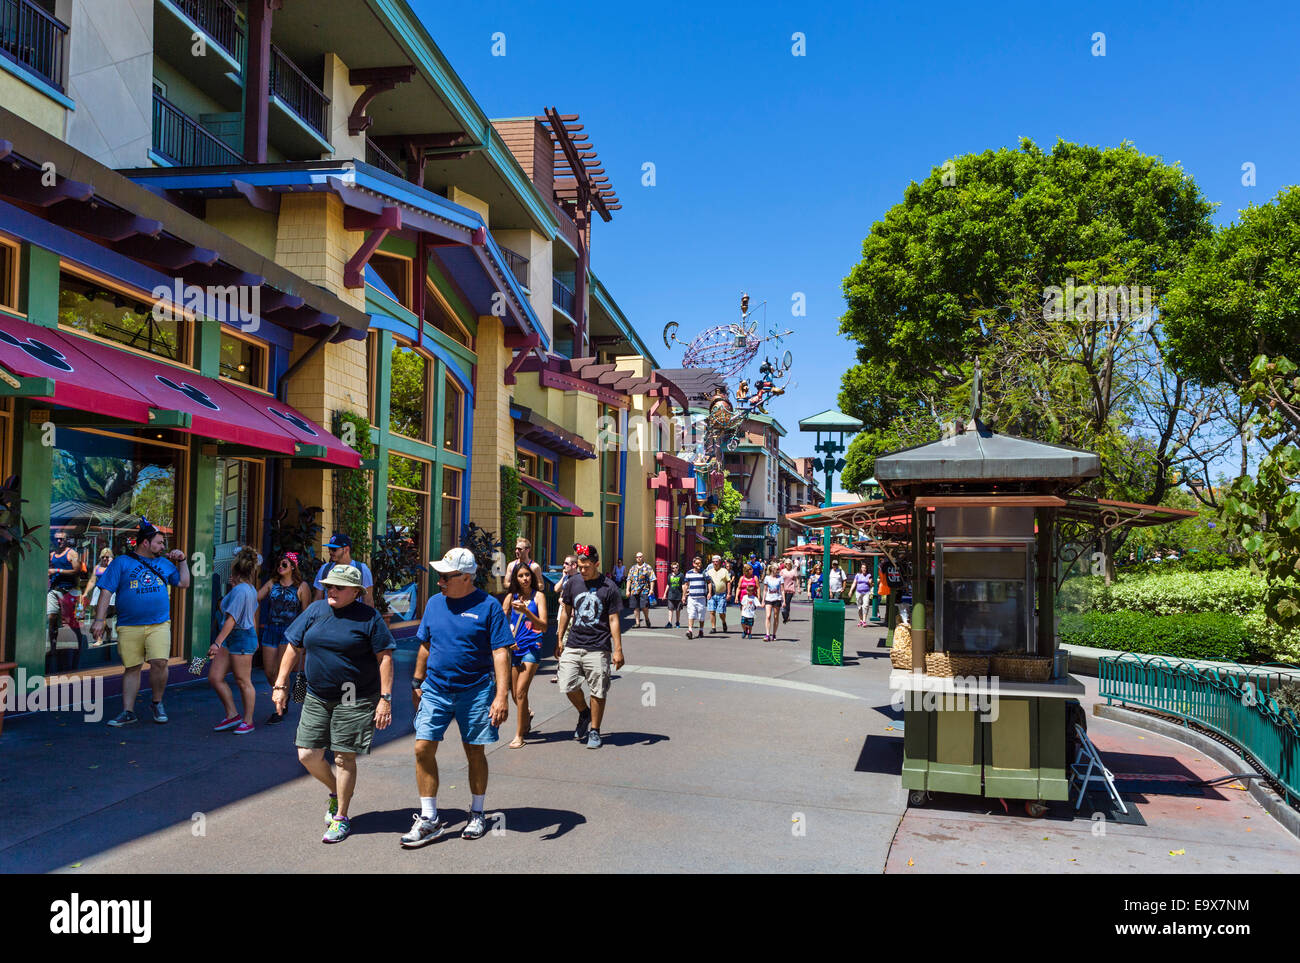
pixel 1236 702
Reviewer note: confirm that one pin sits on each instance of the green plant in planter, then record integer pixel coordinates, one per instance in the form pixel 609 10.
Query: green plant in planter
pixel 511 499
pixel 395 561
pixel 483 544
pixel 298 532
pixel 15 533
pixel 352 485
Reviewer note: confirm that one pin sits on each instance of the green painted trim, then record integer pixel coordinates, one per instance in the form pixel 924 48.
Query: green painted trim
pixel 464 313
pixel 309 451
pixel 207 347
pixel 35 469
pixel 610 307
pixel 38 285
pixel 202 541
pixel 381 421
pixel 28 388
pixel 160 418
pixel 412 34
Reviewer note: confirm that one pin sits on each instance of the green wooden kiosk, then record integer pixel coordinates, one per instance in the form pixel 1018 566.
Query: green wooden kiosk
pixel 983 525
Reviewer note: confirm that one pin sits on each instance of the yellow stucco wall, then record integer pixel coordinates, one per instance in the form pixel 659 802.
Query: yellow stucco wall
pixel 32 105
pixel 247 225
pixel 311 241
pixel 343 96
pixel 494 435
pixel 466 199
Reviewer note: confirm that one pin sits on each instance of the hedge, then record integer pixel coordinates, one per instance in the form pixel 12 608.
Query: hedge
pixel 1232 591
pixel 1203 635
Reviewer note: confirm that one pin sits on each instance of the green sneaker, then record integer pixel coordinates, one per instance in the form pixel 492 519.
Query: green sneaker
pixel 332 811
pixel 338 831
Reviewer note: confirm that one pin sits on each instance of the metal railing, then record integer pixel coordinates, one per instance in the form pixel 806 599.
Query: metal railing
pixel 562 296
pixel 376 157
pixel 518 264
pixel 219 19
pixel 184 141
pixel 1235 702
pixel 33 38
pixel 297 91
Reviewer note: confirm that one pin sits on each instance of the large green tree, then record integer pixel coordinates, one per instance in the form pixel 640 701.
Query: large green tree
pixel 1048 268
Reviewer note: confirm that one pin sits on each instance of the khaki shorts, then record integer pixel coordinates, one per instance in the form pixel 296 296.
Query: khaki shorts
pixel 335 726
pixel 584 665
pixel 138 643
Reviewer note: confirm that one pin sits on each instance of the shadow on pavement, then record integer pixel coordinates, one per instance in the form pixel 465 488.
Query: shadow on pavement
pixel 519 819
pixel 881 754
pixel 891 711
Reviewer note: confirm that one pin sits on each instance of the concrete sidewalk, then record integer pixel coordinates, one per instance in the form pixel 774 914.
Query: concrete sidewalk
pixel 721 754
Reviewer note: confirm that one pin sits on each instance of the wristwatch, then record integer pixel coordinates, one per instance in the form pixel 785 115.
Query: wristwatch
pixel 416 683
pixel 386 696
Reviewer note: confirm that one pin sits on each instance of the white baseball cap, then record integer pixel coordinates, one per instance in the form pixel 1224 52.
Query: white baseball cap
pixel 459 561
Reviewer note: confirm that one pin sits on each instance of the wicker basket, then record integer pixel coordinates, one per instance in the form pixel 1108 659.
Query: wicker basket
pixel 1023 668
pixel 946 665
pixel 900 656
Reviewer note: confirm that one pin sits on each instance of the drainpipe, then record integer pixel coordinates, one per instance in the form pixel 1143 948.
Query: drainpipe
pixel 281 390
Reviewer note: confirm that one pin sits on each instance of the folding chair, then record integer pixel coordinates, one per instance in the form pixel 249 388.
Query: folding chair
pixel 1085 774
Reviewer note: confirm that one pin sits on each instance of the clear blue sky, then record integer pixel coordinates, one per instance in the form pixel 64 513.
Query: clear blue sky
pixel 771 168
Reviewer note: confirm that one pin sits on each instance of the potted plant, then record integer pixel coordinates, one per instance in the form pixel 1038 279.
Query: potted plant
pixel 483 544
pixel 395 563
pixel 297 533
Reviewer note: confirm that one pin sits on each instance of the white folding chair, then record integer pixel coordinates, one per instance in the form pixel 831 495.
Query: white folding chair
pixel 1094 773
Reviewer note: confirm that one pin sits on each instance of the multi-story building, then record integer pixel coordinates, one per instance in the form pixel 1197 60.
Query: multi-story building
pixel 400 263
pixel 753 468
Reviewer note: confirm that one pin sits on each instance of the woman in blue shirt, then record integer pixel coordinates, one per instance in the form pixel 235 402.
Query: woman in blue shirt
pixel 525 604
pixel 290 595
pixel 233 648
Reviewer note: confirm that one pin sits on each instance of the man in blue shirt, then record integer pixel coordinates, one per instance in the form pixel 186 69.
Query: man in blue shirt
pixel 462 670
pixel 144 628
pixel 340 551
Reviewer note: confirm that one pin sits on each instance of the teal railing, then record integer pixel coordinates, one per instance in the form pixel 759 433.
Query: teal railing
pixel 1236 702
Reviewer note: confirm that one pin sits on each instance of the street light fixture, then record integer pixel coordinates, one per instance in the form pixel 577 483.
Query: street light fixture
pixel 828 618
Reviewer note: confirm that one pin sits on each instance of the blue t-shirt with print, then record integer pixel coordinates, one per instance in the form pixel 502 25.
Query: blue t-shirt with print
pixel 142 598
pixel 462 634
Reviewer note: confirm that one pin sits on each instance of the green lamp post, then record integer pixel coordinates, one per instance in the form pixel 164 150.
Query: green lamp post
pixel 828 615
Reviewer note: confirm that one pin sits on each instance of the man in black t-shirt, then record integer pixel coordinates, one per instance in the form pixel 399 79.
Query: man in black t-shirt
pixel 590 609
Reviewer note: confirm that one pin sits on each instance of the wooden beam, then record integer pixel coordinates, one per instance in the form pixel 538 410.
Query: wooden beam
pixel 260 198
pixel 15 387
pixel 164 418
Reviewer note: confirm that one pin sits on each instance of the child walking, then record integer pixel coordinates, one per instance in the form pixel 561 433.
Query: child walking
pixel 748 605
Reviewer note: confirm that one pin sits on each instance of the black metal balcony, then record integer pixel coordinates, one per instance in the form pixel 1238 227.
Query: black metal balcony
pixel 297 92
pixel 219 19
pixel 184 141
pixel 562 296
pixel 375 157
pixel 33 38
pixel 518 264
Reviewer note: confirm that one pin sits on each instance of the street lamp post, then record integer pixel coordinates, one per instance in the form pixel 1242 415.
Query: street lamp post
pixel 828 617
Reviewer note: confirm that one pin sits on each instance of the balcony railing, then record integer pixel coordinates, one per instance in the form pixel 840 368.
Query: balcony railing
pixel 219 19
pixel 519 265
pixel 184 141
pixel 34 39
pixel 562 296
pixel 297 92
pixel 375 157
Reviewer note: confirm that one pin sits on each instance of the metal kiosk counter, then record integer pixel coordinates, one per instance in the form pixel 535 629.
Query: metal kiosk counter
pixel 989 708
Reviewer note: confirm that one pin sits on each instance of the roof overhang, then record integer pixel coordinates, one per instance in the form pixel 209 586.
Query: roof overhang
pixel 530 425
pixel 135 222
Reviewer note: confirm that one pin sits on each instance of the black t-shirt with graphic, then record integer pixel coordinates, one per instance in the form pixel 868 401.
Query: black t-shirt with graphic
pixel 592 604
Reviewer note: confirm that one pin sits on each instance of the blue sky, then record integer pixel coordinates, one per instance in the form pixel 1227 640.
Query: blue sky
pixel 770 168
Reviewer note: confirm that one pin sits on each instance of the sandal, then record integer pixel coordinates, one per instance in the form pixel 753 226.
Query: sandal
pixel 516 743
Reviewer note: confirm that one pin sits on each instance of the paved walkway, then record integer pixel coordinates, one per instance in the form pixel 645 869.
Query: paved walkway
pixel 720 755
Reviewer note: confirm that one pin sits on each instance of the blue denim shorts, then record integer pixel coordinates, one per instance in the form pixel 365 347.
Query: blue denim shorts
pixel 471 709
pixel 718 603
pixel 241 642
pixel 273 635
pixel 519 658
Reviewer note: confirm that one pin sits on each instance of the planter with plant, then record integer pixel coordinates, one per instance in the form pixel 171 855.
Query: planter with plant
pixel 395 562
pixel 484 545
pixel 511 500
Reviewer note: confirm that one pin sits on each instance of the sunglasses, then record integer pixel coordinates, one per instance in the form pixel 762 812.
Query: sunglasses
pixel 448 578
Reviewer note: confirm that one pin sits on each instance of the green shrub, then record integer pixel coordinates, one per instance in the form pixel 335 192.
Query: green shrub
pixel 1080 593
pixel 1270 640
pixel 1202 635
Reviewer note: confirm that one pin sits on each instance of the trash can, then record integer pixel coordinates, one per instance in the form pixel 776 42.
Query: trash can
pixel 828 632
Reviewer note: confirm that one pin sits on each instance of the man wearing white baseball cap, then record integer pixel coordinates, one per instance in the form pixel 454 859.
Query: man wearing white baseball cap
pixel 462 670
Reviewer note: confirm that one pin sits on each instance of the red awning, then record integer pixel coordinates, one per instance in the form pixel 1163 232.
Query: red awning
pixel 551 495
pixel 91 376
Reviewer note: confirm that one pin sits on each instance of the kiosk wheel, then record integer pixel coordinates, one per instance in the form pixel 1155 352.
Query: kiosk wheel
pixel 917 797
pixel 1036 808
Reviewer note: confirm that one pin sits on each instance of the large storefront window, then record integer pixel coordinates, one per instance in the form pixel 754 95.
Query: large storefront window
pixel 103 484
pixel 243 361
pixel 609 550
pixel 453 404
pixel 408 509
pixel 391 276
pixel 449 536
pixel 8 275
pixel 408 410
pixel 125 319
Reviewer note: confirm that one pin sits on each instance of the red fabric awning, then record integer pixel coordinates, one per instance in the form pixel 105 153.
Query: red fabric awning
pixel 91 376
pixel 552 496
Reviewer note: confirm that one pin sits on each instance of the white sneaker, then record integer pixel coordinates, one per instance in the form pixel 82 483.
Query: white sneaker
pixel 423 831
